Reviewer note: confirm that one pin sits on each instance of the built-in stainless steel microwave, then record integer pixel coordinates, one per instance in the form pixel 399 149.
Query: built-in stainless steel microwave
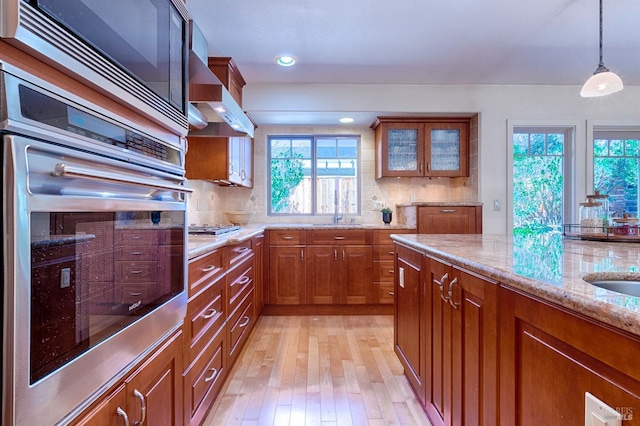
pixel 134 51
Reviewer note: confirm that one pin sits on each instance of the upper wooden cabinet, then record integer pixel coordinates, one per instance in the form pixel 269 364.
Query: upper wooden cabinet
pixel 417 147
pixel 229 75
pixel 223 160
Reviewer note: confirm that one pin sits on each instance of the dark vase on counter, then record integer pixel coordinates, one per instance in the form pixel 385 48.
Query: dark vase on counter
pixel 386 217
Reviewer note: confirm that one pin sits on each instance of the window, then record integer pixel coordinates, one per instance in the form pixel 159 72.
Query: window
pixel 615 169
pixel 314 175
pixel 541 179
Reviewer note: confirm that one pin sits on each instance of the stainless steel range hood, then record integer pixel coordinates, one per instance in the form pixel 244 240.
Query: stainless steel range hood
pixel 213 111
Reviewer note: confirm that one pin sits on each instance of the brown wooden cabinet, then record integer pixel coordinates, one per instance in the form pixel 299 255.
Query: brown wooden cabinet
pixel 417 147
pixel 383 264
pixel 223 160
pixel 229 75
pixel 150 395
pixel 287 275
pixel 450 219
pixel 549 358
pixel 409 317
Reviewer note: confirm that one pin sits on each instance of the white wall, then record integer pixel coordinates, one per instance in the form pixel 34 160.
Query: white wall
pixel 495 104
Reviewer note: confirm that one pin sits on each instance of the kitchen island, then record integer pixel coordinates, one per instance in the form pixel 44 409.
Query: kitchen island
pixel 501 329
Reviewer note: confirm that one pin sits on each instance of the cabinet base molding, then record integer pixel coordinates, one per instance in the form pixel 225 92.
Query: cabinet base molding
pixel 272 310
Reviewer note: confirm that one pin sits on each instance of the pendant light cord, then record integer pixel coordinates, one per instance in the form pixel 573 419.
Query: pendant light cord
pixel 601 64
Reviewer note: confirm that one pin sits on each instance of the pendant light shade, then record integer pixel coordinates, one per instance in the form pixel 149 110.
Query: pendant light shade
pixel 602 82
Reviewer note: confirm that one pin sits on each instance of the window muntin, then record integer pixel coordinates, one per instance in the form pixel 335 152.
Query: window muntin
pixel 314 175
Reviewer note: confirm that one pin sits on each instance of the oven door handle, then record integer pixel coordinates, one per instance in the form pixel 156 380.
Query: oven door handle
pixel 65 170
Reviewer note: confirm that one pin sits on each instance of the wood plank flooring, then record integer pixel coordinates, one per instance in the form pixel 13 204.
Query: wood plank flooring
pixel 318 370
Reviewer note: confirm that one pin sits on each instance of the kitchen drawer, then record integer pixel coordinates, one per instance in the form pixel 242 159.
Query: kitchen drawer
pixel 239 282
pixel 383 252
pixel 135 252
pixel 383 293
pixel 130 294
pixel 339 236
pixel 383 271
pixel 204 270
pixel 382 236
pixel 136 237
pixel 174 236
pixel 237 253
pixel 203 379
pixel 136 272
pixel 280 237
pixel 206 315
pixel 239 325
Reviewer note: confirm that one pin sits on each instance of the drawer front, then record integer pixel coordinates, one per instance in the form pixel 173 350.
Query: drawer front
pixel 237 253
pixel 240 325
pixel 130 294
pixel 204 378
pixel 136 237
pixel 383 293
pixel 239 282
pixel 137 272
pixel 205 269
pixel 383 271
pixel 281 237
pixel 135 253
pixel 206 314
pixel 338 236
pixel 382 236
pixel 383 252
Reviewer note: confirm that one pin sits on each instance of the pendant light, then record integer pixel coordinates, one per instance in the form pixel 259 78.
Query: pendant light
pixel 602 82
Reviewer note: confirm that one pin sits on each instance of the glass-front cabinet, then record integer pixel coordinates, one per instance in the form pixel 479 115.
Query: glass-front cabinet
pixel 410 146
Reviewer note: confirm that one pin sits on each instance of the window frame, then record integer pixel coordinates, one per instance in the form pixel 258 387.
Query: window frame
pixel 314 174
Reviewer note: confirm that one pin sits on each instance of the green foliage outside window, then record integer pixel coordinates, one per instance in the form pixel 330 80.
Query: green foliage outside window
pixel 286 175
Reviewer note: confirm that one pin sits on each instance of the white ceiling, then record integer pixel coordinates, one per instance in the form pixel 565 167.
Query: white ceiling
pixel 422 41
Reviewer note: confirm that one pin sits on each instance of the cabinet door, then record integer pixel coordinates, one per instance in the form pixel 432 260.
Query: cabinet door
pixel 287 275
pixel 235 159
pixel 473 305
pixel 549 358
pixel 154 391
pixel 356 278
pixel 246 163
pixel 323 275
pixel 449 220
pixel 260 291
pixel 400 148
pixel 408 319
pixel 446 149
pixel 109 412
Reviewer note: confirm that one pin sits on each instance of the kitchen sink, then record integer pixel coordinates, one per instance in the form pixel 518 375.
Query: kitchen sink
pixel 630 287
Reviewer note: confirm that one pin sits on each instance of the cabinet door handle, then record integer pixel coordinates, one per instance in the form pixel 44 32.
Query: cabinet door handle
pixel 391 293
pixel 428 166
pixel 391 252
pixel 244 280
pixel 421 167
pixel 344 256
pixel 211 314
pixel 338 238
pixel 451 302
pixel 243 175
pixel 391 271
pixel 123 414
pixel 444 278
pixel 335 254
pixel 209 268
pixel 143 407
pixel 245 323
pixel 447 211
pixel 301 254
pixel 287 237
pixel 213 374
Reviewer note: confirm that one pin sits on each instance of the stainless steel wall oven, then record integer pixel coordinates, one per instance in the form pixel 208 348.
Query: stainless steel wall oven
pixel 94 248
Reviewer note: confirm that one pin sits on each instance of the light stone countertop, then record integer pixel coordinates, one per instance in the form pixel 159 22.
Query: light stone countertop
pixel 550 267
pixel 201 244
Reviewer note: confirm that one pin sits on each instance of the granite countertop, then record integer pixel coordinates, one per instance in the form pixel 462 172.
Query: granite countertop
pixel 440 204
pixel 550 267
pixel 201 244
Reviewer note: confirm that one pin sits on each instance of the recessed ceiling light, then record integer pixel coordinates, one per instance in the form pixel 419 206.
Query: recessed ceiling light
pixel 346 120
pixel 285 61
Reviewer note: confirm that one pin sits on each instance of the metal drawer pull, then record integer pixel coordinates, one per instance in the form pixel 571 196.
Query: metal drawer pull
pixel 244 280
pixel 245 323
pixel 137 253
pixel 136 237
pixel 451 302
pixel 441 286
pixel 447 211
pixel 243 249
pixel 212 313
pixel 339 238
pixel 287 237
pixel 214 373
pixel 444 277
pixel 391 271
pixel 135 293
pixel 136 272
pixel 209 268
pixel 64 170
pixel 391 293
pixel 123 414
pixel 391 252
pixel 143 407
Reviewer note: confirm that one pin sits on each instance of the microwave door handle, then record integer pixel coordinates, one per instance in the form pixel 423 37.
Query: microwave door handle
pixel 64 170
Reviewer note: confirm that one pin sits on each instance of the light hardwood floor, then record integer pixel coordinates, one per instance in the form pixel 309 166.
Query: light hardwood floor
pixel 318 370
